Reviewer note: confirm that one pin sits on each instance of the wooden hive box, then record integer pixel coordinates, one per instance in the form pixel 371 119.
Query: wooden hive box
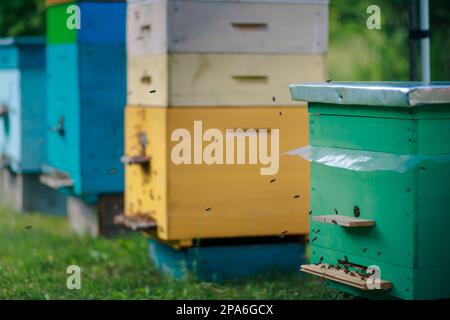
pixel 86 97
pixel 189 201
pixel 223 53
pixel 211 26
pixel 218 80
pixel 22 103
pixel 381 154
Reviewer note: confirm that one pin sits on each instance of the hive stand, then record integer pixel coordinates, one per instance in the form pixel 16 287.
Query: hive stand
pixel 221 262
pixel 24 193
pixel 95 219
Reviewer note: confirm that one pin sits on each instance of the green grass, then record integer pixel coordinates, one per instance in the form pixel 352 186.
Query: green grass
pixel 36 249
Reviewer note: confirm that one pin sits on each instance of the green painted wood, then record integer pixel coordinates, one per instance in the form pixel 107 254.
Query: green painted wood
pixel 361 111
pixel 433 135
pixel 396 130
pixel 393 209
pixel 375 134
pixel 411 239
pixel 433 234
pixel 57 31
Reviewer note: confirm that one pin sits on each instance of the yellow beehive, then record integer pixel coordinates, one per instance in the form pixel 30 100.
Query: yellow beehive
pixel 190 201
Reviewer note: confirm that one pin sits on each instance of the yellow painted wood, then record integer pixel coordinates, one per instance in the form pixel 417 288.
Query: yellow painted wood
pixel 146 191
pixel 214 201
pixel 212 80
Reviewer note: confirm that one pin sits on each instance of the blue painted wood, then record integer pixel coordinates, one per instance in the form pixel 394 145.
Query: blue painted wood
pixel 9 57
pixel 102 23
pixel 63 151
pixel 86 88
pixel 22 93
pixel 22 52
pixel 219 263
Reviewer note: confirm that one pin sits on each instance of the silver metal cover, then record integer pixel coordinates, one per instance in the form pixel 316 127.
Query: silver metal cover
pixel 393 94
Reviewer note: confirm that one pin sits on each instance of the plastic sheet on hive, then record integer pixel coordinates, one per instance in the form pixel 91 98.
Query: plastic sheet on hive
pixel 361 160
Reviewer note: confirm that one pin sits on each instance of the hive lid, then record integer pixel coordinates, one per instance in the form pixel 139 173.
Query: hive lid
pixel 393 94
pixel 26 40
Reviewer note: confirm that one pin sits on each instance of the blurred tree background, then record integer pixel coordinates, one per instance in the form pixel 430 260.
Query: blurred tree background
pixel 355 52
pixel 22 17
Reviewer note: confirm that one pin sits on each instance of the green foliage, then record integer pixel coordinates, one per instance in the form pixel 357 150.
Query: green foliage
pixel 22 17
pixel 359 54
pixel 35 251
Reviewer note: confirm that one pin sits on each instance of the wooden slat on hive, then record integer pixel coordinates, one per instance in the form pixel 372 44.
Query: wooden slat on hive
pixel 344 221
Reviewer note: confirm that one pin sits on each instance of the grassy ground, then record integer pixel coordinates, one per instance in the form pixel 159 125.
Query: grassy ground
pixel 35 251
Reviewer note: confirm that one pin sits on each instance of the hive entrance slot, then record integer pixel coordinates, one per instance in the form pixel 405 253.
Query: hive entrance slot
pixel 250 26
pixel 257 79
pixel 344 221
pixel 343 276
pixel 4 161
pixel 146 28
pixel 3 110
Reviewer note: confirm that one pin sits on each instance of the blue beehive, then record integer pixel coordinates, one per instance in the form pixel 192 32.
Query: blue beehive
pixel 22 103
pixel 86 95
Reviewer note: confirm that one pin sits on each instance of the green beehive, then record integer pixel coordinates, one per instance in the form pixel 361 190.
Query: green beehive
pixel 380 187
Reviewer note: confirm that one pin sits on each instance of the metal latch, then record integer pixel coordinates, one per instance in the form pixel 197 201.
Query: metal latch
pixel 140 159
pixel 59 128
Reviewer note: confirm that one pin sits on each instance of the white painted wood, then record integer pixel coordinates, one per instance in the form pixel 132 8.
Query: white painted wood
pixel 159 26
pixel 212 80
pixel 146 27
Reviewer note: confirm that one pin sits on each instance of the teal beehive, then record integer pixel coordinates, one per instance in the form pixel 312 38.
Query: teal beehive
pixel 380 187
pixel 86 89
pixel 22 127
pixel 22 103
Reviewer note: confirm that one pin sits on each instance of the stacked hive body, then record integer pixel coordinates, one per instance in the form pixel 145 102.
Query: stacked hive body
pixel 86 94
pixel 22 126
pixel 227 65
pixel 380 187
